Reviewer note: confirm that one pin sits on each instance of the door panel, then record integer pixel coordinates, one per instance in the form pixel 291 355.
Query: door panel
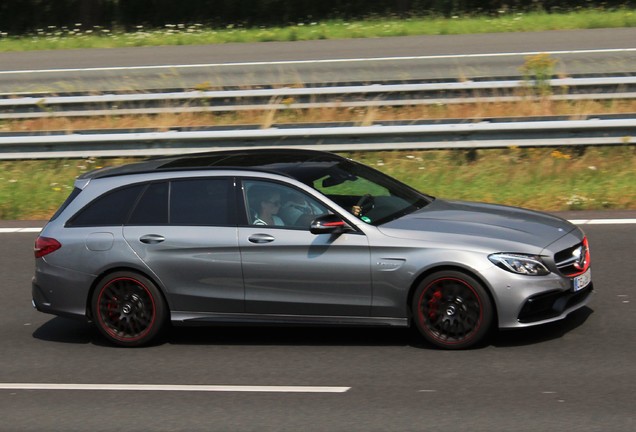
pixel 291 271
pixel 199 266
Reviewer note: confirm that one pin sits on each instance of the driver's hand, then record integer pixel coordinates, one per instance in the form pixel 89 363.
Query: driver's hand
pixel 356 210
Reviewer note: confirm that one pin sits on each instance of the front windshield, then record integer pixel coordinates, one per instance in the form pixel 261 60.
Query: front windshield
pixel 366 193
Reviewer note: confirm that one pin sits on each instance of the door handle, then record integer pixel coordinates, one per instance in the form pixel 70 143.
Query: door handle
pixel 151 238
pixel 261 238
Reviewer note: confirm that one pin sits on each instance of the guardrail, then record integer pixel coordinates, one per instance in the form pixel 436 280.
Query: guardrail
pixel 334 137
pixel 41 106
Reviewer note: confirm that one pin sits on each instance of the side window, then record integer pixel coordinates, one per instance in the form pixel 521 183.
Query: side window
pixel 202 201
pixel 111 208
pixel 362 197
pixel 269 203
pixel 152 207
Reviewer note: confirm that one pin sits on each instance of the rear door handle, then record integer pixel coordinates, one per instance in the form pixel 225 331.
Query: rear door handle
pixel 151 238
pixel 261 238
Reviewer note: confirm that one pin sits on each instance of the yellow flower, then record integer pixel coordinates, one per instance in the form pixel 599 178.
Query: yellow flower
pixel 556 154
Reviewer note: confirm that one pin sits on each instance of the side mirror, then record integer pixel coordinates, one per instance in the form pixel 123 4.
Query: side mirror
pixel 329 224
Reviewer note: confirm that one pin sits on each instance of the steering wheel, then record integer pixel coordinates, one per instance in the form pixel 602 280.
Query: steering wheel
pixel 364 204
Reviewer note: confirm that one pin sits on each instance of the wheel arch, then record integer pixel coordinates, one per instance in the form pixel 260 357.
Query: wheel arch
pixel 109 271
pixel 457 268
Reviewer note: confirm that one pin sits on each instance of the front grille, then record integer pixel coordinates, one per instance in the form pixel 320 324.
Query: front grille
pixel 567 259
pixel 552 304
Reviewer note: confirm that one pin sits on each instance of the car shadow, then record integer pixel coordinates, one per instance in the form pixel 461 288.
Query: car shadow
pixel 69 331
pixel 289 336
pixel 64 330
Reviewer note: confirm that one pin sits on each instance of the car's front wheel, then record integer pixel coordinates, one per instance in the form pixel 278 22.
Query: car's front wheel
pixel 452 310
pixel 128 309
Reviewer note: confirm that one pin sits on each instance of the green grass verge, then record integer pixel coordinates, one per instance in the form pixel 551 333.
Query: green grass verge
pixel 542 179
pixel 196 34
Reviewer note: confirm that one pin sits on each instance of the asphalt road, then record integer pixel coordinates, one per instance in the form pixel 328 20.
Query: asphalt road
pixel 578 374
pixel 334 61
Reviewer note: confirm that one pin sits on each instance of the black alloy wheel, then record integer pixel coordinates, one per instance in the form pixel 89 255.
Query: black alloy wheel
pixel 128 309
pixel 452 310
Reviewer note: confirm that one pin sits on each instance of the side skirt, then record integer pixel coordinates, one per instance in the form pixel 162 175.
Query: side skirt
pixel 200 318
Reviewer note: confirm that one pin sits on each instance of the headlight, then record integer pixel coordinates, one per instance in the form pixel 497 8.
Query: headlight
pixel 530 265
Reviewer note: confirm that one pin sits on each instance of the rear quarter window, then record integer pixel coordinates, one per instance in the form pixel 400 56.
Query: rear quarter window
pixel 112 208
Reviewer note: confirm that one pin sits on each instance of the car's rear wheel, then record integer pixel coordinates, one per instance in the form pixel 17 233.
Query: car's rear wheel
pixel 128 309
pixel 452 310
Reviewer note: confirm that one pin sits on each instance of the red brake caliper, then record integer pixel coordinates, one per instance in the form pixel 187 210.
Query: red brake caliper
pixel 433 304
pixel 112 309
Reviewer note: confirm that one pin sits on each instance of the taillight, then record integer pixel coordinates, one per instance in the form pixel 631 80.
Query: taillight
pixel 45 245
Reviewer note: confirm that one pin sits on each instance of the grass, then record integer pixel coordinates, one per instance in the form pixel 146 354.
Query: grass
pixel 198 34
pixel 34 189
pixel 542 179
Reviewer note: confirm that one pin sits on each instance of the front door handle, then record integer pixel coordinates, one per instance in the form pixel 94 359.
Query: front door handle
pixel 151 238
pixel 261 238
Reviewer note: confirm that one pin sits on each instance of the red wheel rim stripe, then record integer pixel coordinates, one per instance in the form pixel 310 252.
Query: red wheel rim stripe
pixel 108 329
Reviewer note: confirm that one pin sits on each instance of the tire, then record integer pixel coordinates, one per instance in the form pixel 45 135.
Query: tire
pixel 452 310
pixel 128 309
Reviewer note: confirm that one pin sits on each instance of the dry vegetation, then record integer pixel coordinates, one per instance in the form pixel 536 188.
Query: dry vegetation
pixel 544 107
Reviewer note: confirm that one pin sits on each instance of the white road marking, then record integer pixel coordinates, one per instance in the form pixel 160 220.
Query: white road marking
pixel 603 221
pixel 173 388
pixel 304 62
pixel 574 221
pixel 19 230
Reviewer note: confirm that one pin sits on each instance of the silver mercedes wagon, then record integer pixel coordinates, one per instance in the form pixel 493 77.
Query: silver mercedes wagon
pixel 298 237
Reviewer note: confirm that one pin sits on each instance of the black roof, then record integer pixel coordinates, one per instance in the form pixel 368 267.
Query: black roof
pixel 281 161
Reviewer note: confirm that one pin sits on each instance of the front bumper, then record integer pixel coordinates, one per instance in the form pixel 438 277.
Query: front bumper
pixel 553 305
pixel 524 301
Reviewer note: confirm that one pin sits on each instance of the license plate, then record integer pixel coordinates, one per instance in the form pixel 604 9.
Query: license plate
pixel 583 280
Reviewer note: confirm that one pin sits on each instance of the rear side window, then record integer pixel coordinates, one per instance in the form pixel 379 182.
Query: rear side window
pixel 202 202
pixel 111 208
pixel 152 207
